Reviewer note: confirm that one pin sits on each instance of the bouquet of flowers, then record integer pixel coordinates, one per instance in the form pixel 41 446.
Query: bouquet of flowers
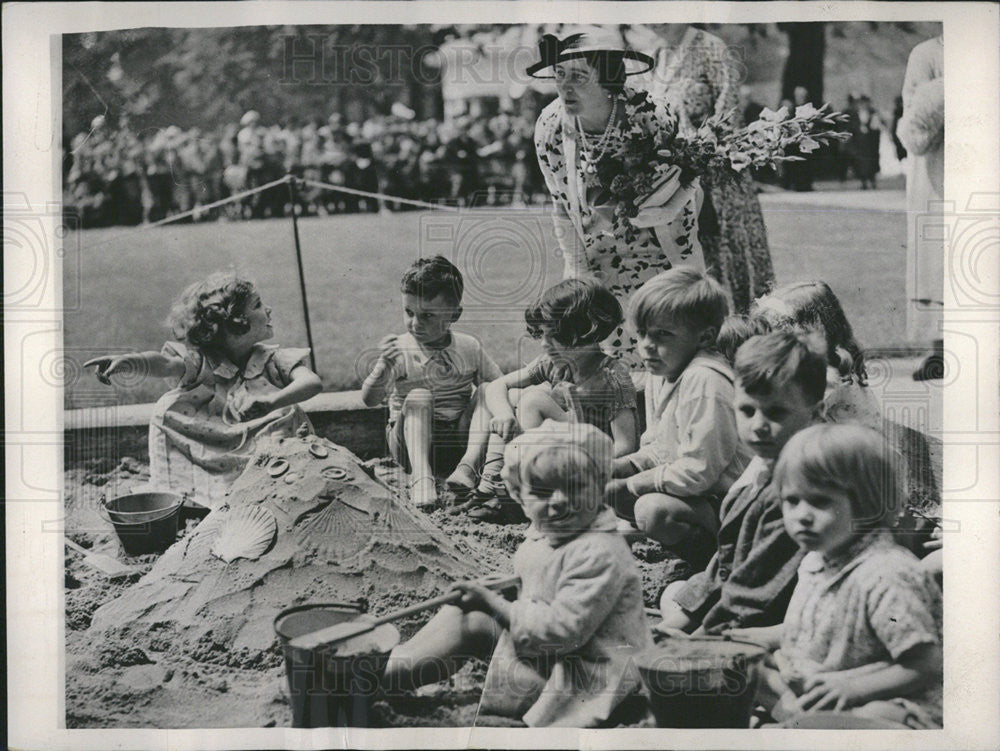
pixel 655 172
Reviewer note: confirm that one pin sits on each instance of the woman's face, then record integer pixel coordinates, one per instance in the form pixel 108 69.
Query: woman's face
pixel 579 89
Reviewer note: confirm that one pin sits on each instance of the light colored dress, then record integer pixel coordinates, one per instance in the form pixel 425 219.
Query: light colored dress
pixel 568 658
pixel 861 610
pixel 593 240
pixel 731 226
pixel 196 447
pixel 921 131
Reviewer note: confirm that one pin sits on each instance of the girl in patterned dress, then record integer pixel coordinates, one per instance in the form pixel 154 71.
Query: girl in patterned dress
pixel 862 632
pixel 572 381
pixel 231 388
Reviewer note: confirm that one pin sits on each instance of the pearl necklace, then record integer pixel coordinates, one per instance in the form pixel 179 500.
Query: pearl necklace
pixel 591 154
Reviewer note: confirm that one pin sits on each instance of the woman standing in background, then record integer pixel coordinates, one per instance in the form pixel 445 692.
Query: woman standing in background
pixel 697 77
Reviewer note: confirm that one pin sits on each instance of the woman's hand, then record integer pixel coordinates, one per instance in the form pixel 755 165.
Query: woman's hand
pixel 246 406
pixel 833 691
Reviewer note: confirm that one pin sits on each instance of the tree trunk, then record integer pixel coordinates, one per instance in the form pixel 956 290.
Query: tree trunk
pixel 804 66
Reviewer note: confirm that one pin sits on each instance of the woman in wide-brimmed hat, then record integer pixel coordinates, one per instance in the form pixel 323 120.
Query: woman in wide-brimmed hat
pixel 583 140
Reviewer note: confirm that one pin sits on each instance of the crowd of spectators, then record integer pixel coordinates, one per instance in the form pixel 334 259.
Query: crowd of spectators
pixel 115 175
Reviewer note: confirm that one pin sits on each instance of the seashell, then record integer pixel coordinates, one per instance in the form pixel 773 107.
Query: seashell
pixel 278 467
pixel 333 472
pixel 245 533
pixel 335 531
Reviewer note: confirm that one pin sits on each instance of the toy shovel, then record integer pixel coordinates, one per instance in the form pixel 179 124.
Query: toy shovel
pixel 341 632
pixel 103 563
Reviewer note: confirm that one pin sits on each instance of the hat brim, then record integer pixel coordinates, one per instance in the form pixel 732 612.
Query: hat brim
pixel 636 63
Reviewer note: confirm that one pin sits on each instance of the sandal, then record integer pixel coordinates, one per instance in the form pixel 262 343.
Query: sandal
pixel 498 510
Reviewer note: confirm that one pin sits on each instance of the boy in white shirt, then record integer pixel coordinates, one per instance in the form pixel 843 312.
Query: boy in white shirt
pixel 690 453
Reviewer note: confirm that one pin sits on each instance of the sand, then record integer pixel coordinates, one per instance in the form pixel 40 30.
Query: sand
pixel 189 641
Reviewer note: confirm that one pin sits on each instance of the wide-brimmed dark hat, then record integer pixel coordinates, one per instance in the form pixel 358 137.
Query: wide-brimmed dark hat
pixel 553 50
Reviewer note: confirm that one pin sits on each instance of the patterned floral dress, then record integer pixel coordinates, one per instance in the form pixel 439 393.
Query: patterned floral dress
pixel 594 240
pixel 696 80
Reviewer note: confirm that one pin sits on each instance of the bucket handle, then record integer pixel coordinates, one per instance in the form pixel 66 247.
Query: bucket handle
pixel 102 511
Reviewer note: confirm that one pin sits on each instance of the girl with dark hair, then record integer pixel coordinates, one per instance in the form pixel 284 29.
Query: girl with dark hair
pixel 571 381
pixel 231 387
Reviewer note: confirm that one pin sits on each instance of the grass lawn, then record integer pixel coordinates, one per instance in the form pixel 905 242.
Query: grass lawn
pixel 119 292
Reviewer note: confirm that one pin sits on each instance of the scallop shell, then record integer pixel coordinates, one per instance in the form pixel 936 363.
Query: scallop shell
pixel 246 533
pixel 336 531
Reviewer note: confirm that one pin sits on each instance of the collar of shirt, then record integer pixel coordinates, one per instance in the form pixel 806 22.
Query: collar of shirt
pixel 224 368
pixel 833 563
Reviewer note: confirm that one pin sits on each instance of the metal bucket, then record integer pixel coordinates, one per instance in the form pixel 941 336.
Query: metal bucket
pixel 328 689
pixel 145 522
pixel 706 682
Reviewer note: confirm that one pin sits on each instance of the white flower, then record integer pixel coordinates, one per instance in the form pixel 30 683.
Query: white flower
pixel 806 110
pixel 739 161
pixel 769 115
pixel 807 145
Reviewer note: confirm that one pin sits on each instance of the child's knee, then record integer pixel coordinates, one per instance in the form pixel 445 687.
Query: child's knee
pixel 418 400
pixel 656 511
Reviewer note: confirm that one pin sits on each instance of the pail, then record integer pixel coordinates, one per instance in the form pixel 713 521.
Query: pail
pixel 331 690
pixel 706 682
pixel 145 522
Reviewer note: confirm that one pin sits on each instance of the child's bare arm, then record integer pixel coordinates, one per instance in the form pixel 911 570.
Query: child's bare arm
pixel 623 433
pixel 374 389
pixel 153 363
pixel 504 423
pixel 766 636
pixel 844 689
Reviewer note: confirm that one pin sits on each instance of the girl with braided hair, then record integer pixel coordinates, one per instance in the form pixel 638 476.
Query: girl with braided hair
pixel 231 387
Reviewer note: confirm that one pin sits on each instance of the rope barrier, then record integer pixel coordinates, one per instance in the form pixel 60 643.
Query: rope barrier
pixel 267 186
pixel 292 182
pixel 185 214
pixel 379 196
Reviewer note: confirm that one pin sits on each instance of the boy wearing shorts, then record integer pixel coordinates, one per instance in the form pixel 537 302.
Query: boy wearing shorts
pixel 429 375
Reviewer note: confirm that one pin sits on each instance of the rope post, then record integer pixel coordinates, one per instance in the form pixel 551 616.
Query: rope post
pixel 294 196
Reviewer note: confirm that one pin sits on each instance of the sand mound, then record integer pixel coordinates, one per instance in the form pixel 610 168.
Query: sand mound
pixel 317 528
